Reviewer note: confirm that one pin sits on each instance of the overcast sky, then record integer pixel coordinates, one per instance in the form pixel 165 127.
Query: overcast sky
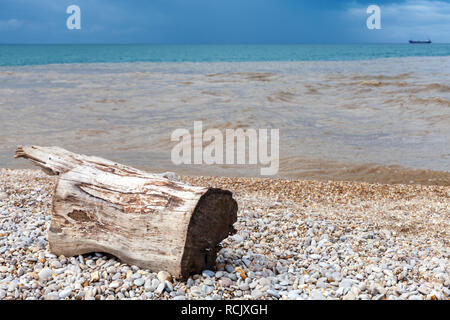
pixel 222 21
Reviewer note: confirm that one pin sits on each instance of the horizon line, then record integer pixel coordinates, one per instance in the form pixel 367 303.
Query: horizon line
pixel 226 44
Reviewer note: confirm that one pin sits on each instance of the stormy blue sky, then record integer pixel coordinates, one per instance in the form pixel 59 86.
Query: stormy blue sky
pixel 223 21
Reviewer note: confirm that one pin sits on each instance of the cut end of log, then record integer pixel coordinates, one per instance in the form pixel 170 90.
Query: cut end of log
pixel 142 218
pixel 211 222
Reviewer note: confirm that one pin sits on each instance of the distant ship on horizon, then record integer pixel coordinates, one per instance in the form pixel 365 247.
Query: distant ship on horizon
pixel 420 41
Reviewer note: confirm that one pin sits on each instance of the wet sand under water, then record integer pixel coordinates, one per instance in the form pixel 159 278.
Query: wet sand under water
pixel 385 120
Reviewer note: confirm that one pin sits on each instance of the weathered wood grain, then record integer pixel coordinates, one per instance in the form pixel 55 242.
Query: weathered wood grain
pixel 142 218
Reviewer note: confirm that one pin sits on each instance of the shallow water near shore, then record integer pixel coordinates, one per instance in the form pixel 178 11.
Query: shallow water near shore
pixel 383 120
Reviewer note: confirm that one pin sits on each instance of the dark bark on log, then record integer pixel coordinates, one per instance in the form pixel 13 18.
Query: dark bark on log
pixel 142 218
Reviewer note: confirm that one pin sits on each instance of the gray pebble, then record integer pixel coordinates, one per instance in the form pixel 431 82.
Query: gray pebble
pixel 316 295
pixel 45 274
pixel 139 282
pixel 273 293
pixel 208 273
pixel 160 288
pixel 65 293
pixel 229 268
pixel 257 294
pixel 169 287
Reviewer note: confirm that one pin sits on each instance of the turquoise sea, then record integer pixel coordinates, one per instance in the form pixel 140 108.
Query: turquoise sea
pixel 21 55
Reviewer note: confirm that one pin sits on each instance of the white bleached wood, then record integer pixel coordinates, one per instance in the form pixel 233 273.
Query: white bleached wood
pixel 142 218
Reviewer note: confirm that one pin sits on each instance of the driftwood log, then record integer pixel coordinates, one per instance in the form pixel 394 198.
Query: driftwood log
pixel 142 218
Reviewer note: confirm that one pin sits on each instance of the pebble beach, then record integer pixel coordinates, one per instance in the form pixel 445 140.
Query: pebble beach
pixel 295 240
